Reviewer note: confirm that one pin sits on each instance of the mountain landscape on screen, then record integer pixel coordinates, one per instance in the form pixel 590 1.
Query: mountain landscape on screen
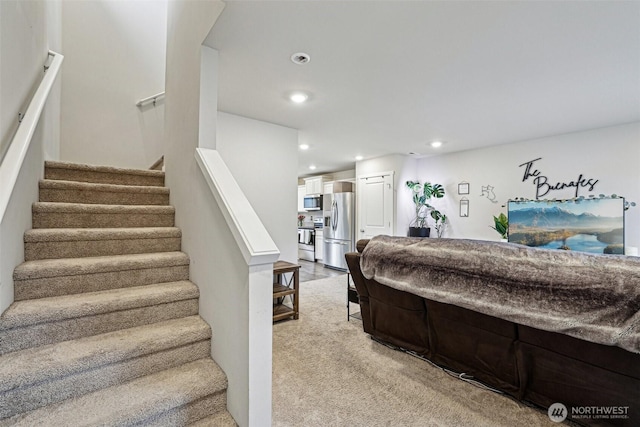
pixel 595 226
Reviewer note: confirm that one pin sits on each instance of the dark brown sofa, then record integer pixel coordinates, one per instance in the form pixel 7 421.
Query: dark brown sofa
pixel 527 363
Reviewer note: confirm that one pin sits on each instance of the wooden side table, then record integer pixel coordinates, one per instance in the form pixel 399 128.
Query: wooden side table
pixel 283 287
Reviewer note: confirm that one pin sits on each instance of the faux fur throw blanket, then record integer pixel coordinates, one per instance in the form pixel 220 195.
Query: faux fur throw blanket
pixel 592 297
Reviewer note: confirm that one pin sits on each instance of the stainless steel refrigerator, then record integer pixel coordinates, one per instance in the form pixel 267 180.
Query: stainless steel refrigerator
pixel 339 228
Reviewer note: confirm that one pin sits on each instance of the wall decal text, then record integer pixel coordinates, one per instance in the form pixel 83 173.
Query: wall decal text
pixel 543 186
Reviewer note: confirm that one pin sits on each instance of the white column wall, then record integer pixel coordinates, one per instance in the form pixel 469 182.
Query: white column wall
pixel 53 109
pixel 114 56
pixel 208 97
pixel 232 294
pixel 263 158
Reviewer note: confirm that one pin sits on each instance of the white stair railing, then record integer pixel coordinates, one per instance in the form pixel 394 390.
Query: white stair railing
pixel 253 240
pixel 20 169
pixel 14 157
pixel 150 99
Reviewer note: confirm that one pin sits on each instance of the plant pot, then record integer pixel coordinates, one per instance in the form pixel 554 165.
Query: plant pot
pixel 419 231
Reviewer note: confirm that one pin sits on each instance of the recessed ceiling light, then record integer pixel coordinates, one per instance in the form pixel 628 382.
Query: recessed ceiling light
pixel 312 167
pixel 436 144
pixel 358 158
pixel 298 97
pixel 300 58
pixel 304 146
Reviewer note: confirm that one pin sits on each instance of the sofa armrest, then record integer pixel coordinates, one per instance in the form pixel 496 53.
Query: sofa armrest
pixel 360 244
pixel 353 262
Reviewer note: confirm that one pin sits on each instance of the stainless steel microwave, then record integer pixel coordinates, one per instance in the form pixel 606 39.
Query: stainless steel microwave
pixel 313 203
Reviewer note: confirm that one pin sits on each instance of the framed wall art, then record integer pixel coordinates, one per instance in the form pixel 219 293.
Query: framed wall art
pixel 464 207
pixel 463 188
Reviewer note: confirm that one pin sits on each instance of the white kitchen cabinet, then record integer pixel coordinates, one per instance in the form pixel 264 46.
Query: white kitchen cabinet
pixel 302 191
pixel 319 245
pixel 314 185
pixel 328 187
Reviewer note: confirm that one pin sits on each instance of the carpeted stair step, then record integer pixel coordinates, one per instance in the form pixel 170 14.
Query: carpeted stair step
pixel 104 329
pixel 54 277
pixel 35 377
pixel 43 321
pixel 107 194
pixel 221 419
pixel 102 174
pixel 176 396
pixel 49 243
pixel 76 215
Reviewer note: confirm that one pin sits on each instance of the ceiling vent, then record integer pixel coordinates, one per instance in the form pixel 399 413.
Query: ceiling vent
pixel 300 58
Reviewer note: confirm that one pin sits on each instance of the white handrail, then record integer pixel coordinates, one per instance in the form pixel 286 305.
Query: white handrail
pixel 153 98
pixel 254 241
pixel 12 161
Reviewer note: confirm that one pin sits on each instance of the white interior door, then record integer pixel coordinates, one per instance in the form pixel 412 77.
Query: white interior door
pixel 375 206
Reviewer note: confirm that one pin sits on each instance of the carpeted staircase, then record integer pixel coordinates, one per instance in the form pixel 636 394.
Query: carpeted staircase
pixel 104 329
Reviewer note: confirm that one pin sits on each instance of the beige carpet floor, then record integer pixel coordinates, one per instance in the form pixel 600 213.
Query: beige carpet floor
pixel 328 372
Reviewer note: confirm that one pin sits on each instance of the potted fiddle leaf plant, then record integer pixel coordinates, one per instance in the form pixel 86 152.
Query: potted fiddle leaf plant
pixel 501 223
pixel 422 194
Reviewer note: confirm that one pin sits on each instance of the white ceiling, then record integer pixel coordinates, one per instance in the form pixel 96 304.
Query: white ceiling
pixel 391 76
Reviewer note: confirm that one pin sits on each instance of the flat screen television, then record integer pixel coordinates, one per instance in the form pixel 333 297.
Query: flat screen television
pixel 594 225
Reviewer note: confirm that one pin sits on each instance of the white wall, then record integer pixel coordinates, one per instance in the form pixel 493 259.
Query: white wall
pixel 27 31
pixel 348 175
pixel 263 158
pixel 405 169
pixel 208 114
pixel 219 269
pixel 114 56
pixel 17 218
pixel 610 155
pixel 52 115
pixel 24 48
pixel 226 283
